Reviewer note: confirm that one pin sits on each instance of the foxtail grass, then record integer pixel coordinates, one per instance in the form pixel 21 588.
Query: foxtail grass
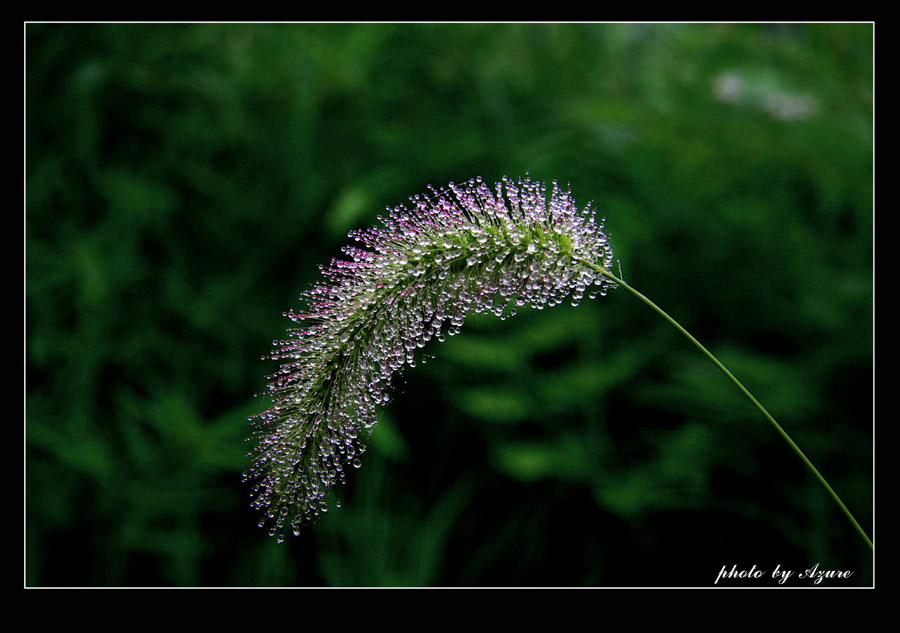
pixel 461 249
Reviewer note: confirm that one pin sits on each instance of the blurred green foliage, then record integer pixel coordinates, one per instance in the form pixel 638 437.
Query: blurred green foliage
pixel 183 182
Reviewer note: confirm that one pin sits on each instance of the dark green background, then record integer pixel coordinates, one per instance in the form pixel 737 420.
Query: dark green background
pixel 183 183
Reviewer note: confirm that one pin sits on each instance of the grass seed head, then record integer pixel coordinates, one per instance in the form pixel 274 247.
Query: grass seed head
pixel 450 252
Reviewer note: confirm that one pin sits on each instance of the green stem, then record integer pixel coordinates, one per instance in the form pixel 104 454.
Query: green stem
pixel 743 389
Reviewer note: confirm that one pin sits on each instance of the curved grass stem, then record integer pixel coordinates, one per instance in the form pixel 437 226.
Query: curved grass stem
pixel 743 389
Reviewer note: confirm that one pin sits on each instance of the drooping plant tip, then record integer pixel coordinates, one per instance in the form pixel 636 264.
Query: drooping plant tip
pixel 461 249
